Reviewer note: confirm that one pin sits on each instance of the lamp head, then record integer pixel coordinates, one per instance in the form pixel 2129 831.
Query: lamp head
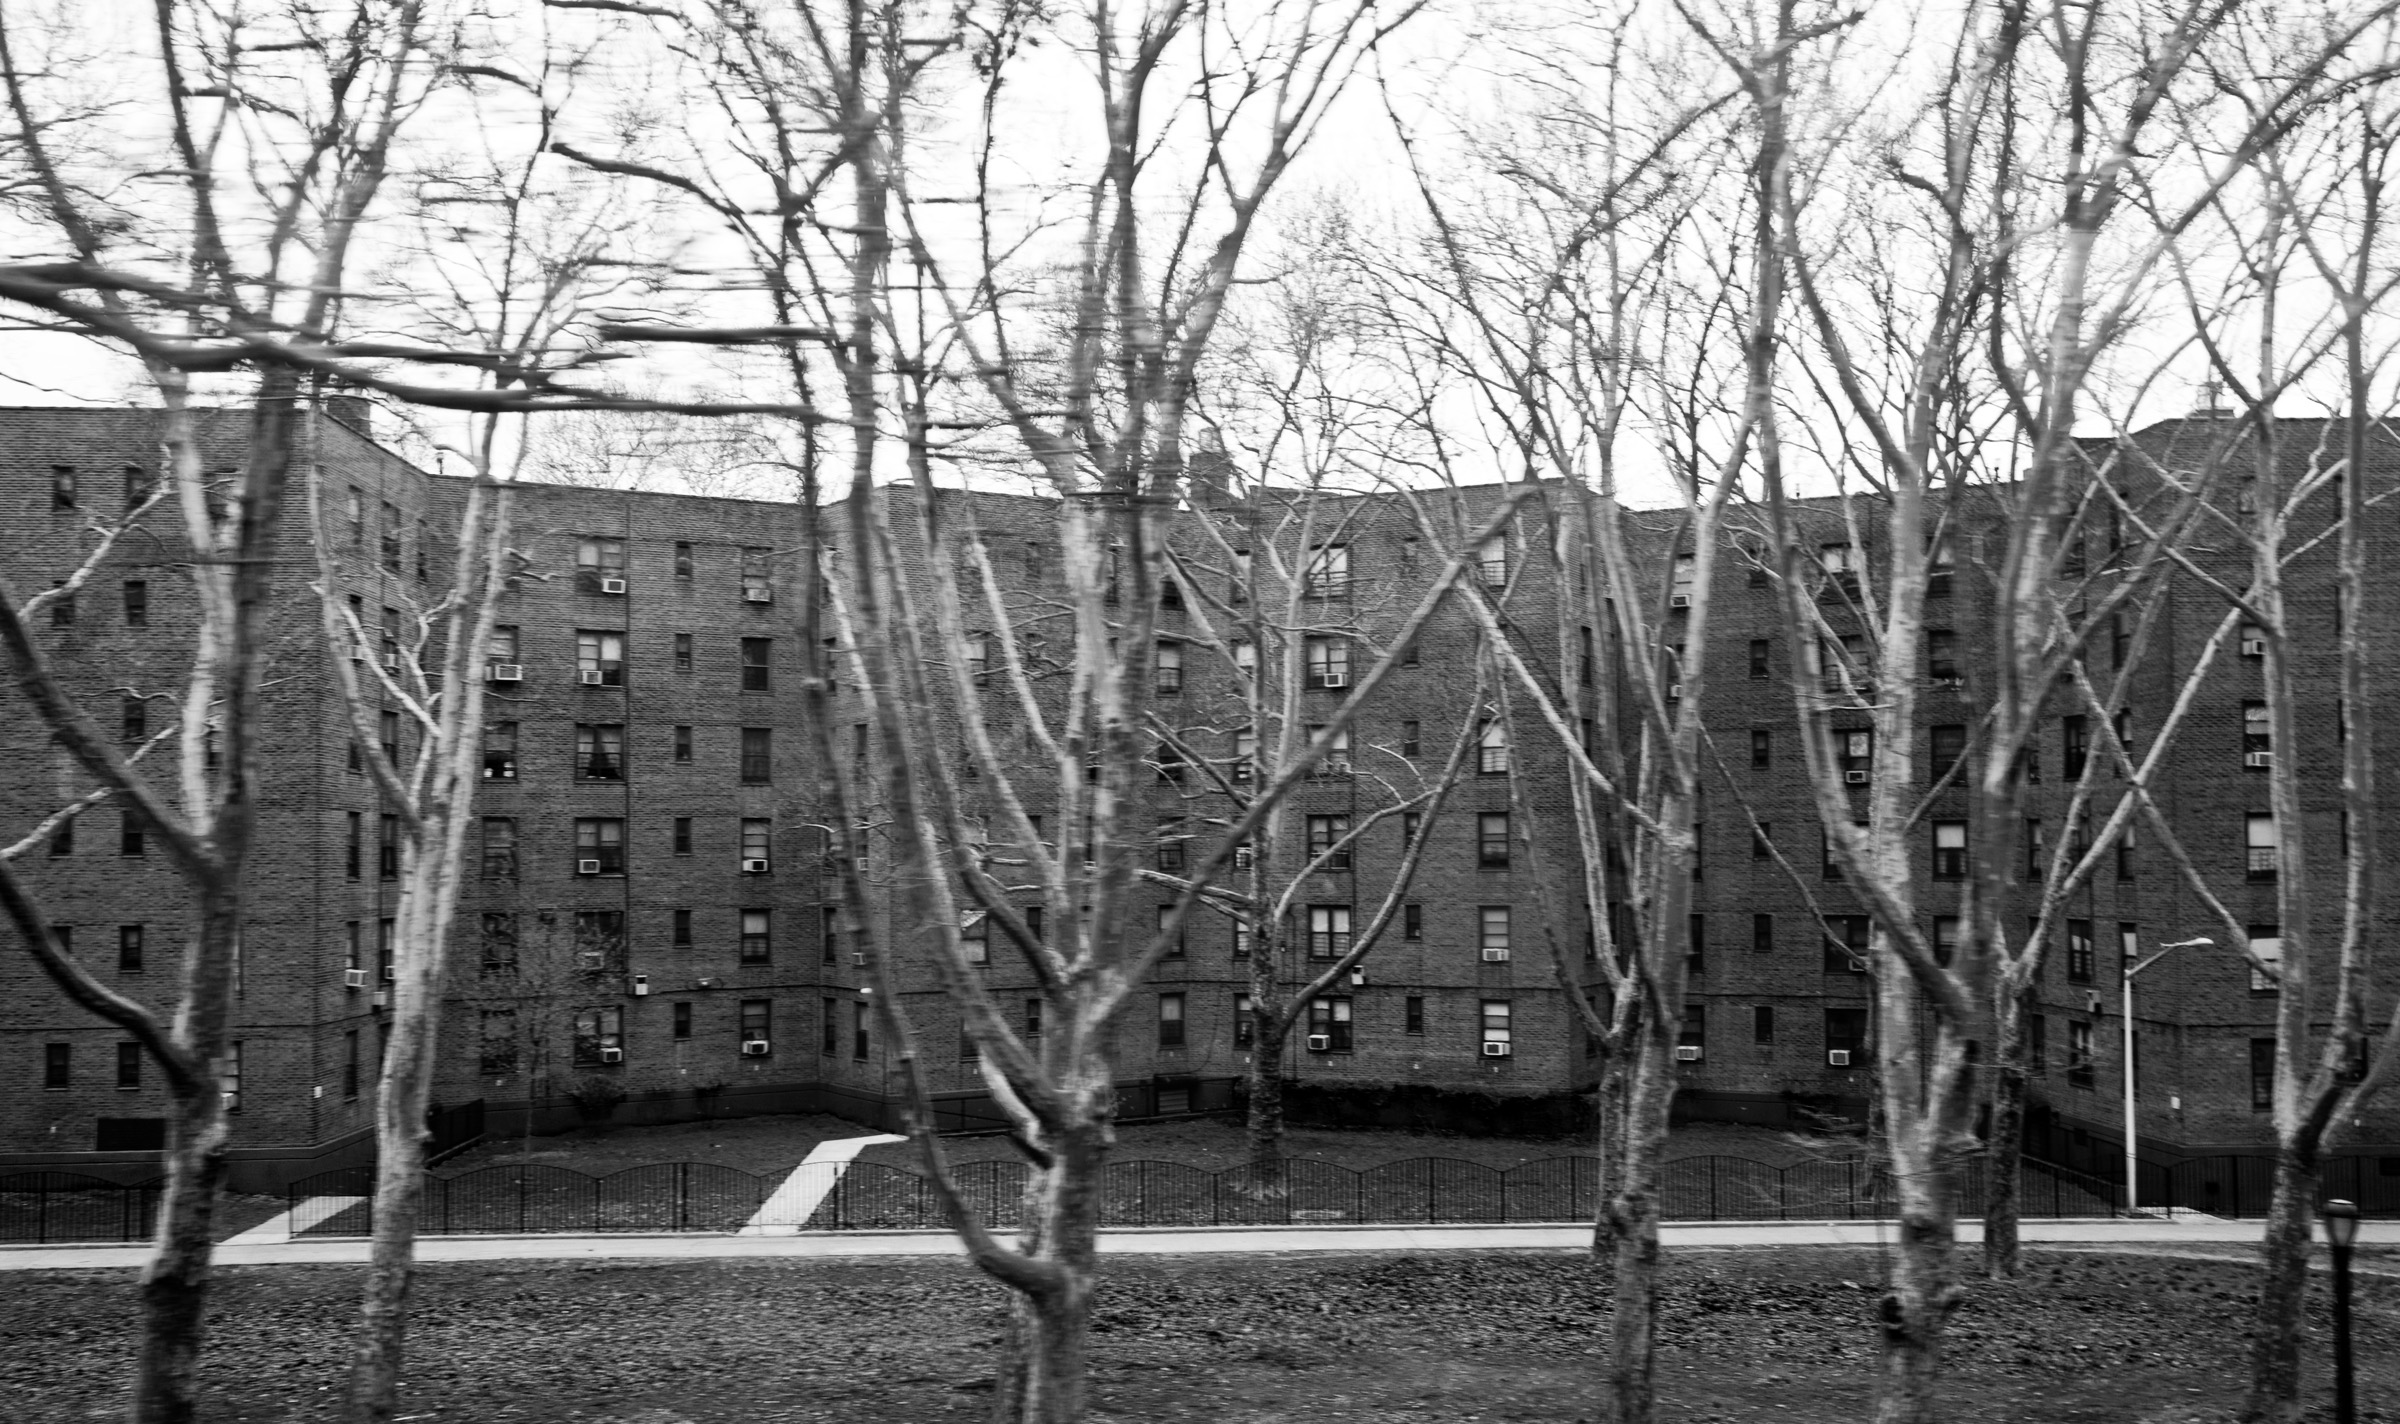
pixel 2341 1222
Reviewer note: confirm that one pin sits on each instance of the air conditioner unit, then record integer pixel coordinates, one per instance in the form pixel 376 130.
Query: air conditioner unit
pixel 612 1055
pixel 1837 1057
pixel 354 978
pixel 1687 1053
pixel 383 998
pixel 612 585
pixel 2258 759
pixel 591 677
pixel 1334 679
pixel 754 867
pixel 641 986
pixel 504 672
pixel 755 1048
pixel 587 867
pixel 1495 956
pixel 2254 647
pixel 1674 692
pixel 390 972
pixel 1244 858
pixel 1495 1050
pixel 1320 1043
pixel 1679 600
pixel 591 961
pixel 758 595
pixel 1855 778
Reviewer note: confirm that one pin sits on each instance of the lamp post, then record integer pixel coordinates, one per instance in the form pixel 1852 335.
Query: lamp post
pixel 2341 1228
pixel 2133 967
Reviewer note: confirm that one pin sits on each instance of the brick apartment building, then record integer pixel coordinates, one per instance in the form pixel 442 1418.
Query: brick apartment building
pixel 648 904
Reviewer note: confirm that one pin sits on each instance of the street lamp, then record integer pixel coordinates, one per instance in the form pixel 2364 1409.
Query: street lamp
pixel 2133 967
pixel 2341 1228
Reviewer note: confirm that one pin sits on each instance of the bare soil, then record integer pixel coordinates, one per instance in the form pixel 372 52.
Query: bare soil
pixel 763 1146
pixel 1782 1335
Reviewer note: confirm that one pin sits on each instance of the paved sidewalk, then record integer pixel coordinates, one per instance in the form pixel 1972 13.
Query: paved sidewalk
pixel 1161 1241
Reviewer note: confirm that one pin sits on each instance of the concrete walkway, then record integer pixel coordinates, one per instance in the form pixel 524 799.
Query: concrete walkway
pixel 284 1225
pixel 787 1209
pixel 1161 1241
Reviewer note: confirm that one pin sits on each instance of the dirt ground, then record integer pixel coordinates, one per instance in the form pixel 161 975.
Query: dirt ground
pixel 1747 1335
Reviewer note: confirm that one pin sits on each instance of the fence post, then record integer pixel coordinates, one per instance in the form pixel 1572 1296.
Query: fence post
pixel 1430 1218
pixel 520 1201
pixel 1142 1198
pixel 1504 1198
pixel 1712 1189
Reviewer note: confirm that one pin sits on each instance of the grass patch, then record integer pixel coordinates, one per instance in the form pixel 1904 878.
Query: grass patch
pixel 1758 1334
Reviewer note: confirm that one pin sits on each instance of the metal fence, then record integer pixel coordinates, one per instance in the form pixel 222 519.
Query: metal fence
pixel 40 1207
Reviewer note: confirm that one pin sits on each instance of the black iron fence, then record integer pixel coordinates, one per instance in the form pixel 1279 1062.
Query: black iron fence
pixel 40 1207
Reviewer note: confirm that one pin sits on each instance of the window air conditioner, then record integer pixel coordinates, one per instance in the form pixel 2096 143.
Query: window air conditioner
pixel 1674 692
pixel 591 677
pixel 754 1048
pixel 392 663
pixel 1837 1057
pixel 1244 857
pixel 504 672
pixel 2254 647
pixel 1320 1043
pixel 641 986
pixel 1687 1053
pixel 591 961
pixel 612 1055
pixel 612 585
pixel 1680 600
pixel 1494 1050
pixel 1855 778
pixel 383 998
pixel 587 867
pixel 2258 759
pixel 1495 956
pixel 758 595
pixel 354 978
pixel 390 972
pixel 754 867
pixel 1334 679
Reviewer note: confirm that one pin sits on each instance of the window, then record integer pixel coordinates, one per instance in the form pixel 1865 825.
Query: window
pixel 1694 1030
pixel 1941 655
pixel 1325 662
pixel 758 836
pixel 388 535
pixel 1762 747
pixel 502 649
pixel 1169 760
pixel 829 934
pixel 139 487
pixel 600 657
pixel 2074 746
pixel 1846 1032
pixel 2263 845
pixel 1329 1022
pixel 352 848
pixel 599 751
pixel 1033 1018
pixel 64 936
pixel 974 936
pixel 1855 751
pixel 859 1021
pixel 1491 561
pixel 1491 749
pixel 1166 914
pixel 758 671
pixel 1328 931
pixel 2258 738
pixel 683 565
pixel 1411 743
pixel 1695 942
pixel 229 1076
pixel 1495 1021
pixel 599 846
pixel 349 1064
pixel 1842 662
pixel 2079 951
pixel 757 940
pixel 758 575
pixel 1762 1025
pixel 58 1065
pixel 599 1036
pixel 1762 934
pixel 62 612
pixel 600 566
pixel 1245 751
pixel 1412 829
pixel 129 949
pixel 2036 857
pixel 599 940
pixel 1412 921
pixel 2254 641
pixel 499 939
pixel 1841 569
pixel 1491 839
pixel 2125 852
pixel 758 755
pixel 1336 761
pixel 387 847
pixel 1245 1025
pixel 1938 569
pixel 1846 938
pixel 1494 920
pixel 1949 850
pixel 2079 1055
pixel 1170 1020
pixel 1328 574
pixel 2266 946
pixel 1245 662
pixel 62 486
pixel 1762 841
pixel 829 1021
pixel 137 603
pixel 1758 659
pixel 1948 743
pixel 2037 1045
pixel 1167 849
pixel 2262 1074
pixel 682 929
pixel 1168 668
pixel 1946 929
pixel 1325 836
pixel 499 751
pixel 1241 939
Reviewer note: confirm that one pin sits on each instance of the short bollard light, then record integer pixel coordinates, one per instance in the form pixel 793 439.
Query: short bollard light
pixel 2341 1229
